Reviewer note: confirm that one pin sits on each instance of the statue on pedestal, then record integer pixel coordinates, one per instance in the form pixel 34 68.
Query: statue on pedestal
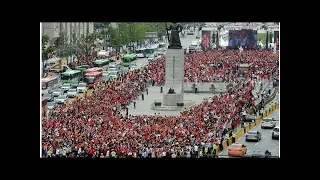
pixel 171 91
pixel 174 41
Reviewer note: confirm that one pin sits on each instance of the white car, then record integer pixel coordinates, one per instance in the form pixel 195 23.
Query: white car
pixel 66 87
pixel 61 99
pixel 268 123
pixel 72 92
pixel 82 87
pixel 140 55
pixel 113 74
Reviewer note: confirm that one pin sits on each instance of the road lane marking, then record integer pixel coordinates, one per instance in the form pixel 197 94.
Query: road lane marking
pixel 263 137
pixel 256 144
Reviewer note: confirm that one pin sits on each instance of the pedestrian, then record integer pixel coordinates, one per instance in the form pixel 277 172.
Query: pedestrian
pixel 142 96
pixel 134 104
pixel 161 89
pixel 234 138
pixel 127 112
pixel 147 91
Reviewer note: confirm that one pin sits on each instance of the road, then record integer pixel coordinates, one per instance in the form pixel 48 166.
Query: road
pixel 266 142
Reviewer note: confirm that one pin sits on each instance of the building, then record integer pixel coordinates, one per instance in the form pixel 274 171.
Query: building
pixel 53 29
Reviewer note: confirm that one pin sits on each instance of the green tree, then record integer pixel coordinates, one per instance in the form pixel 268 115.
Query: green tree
pixel 86 43
pixel 45 40
pixel 63 47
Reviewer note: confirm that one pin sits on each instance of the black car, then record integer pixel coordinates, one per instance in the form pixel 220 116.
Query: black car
pixel 48 96
pixel 260 153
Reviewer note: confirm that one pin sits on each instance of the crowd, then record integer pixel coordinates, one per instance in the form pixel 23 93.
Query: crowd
pixel 223 65
pixel 94 127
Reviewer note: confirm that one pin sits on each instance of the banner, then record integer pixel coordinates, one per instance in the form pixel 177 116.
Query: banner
pixel 206 39
pixel 244 37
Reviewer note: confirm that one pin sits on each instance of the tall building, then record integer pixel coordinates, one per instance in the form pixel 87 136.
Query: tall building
pixel 53 29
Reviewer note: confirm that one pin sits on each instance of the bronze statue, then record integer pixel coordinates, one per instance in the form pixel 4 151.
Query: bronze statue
pixel 171 91
pixel 174 41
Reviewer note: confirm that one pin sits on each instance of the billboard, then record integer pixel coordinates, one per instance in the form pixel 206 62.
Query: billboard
pixel 243 37
pixel 276 38
pixel 206 39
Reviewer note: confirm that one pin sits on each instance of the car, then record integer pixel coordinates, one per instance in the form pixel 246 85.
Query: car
pixel 57 92
pixel 268 123
pixel 72 92
pixel 133 67
pixel 61 99
pixel 74 83
pixel 275 133
pixel 190 33
pixel 253 136
pixel 260 153
pixel 48 96
pixel 66 87
pixel 198 37
pixel 117 68
pixel 237 149
pixel 106 77
pixel 112 65
pixel 51 105
pixel 105 72
pixel 140 55
pixel 113 74
pixel 82 87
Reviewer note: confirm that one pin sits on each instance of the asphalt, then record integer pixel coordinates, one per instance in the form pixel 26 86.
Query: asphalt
pixel 266 142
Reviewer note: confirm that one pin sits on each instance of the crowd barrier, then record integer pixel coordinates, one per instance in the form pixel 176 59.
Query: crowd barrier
pixel 270 109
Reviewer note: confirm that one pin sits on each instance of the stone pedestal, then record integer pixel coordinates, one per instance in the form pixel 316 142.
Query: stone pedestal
pixel 172 99
pixel 174 77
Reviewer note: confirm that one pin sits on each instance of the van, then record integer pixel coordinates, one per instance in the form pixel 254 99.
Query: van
pixel 275 132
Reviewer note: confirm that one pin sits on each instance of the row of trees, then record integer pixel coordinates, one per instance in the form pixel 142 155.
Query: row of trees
pixel 123 34
pixel 127 33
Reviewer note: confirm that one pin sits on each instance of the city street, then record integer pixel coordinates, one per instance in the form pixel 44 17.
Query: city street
pixel 266 142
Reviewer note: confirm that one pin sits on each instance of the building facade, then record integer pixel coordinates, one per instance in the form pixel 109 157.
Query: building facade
pixel 71 29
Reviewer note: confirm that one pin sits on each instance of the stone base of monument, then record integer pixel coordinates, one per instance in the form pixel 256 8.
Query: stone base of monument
pixel 172 99
pixel 159 106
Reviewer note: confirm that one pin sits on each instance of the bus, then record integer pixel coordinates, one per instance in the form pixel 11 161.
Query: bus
pixel 101 62
pixel 141 53
pixel 92 78
pixel 95 69
pixel 82 67
pixel 69 76
pixel 151 49
pixel 49 82
pixel 44 106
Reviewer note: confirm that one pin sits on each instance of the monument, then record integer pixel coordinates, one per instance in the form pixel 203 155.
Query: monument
pixel 173 97
pixel 173 89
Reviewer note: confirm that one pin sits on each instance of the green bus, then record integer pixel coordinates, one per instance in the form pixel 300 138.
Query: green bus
pixel 101 62
pixel 82 67
pixel 69 76
pixel 127 59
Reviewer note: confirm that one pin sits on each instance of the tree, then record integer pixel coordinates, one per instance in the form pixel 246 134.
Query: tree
pixel 63 47
pixel 45 40
pixel 86 43
pixel 48 50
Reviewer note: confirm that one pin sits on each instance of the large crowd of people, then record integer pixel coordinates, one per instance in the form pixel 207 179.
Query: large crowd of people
pixel 223 65
pixel 94 127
